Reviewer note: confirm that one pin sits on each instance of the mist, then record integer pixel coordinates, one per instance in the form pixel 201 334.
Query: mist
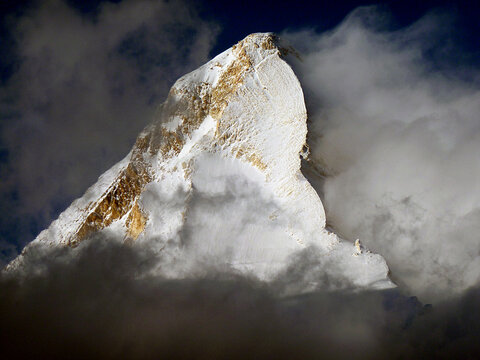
pixel 394 127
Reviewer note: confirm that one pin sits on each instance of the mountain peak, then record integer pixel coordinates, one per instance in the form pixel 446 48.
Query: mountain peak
pixel 217 175
pixel 199 96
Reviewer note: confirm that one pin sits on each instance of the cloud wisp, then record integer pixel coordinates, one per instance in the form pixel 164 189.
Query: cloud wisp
pixel 395 126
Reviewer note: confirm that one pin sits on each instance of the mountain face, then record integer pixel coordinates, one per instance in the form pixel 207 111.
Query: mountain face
pixel 217 177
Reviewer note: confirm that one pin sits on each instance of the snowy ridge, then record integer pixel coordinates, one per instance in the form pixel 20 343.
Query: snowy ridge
pixel 216 177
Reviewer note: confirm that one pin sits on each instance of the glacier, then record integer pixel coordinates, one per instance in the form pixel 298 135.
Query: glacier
pixel 216 178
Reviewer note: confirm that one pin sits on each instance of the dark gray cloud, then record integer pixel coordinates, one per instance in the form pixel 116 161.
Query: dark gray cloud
pixel 100 300
pixel 396 129
pixel 84 88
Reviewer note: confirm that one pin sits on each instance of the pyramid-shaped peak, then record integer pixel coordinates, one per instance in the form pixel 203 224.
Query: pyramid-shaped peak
pixel 217 175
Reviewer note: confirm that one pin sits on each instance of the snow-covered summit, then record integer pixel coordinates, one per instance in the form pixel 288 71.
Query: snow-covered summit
pixel 216 176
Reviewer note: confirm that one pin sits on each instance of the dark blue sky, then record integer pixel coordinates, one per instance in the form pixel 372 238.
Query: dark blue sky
pixel 254 16
pixel 238 19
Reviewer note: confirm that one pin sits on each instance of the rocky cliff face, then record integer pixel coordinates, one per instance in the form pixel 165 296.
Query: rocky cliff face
pixel 217 176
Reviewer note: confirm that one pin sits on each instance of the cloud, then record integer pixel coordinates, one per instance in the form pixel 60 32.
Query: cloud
pixel 395 128
pixel 100 300
pixel 87 83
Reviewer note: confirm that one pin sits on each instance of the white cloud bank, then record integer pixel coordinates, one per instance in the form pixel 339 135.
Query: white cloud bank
pixel 401 144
